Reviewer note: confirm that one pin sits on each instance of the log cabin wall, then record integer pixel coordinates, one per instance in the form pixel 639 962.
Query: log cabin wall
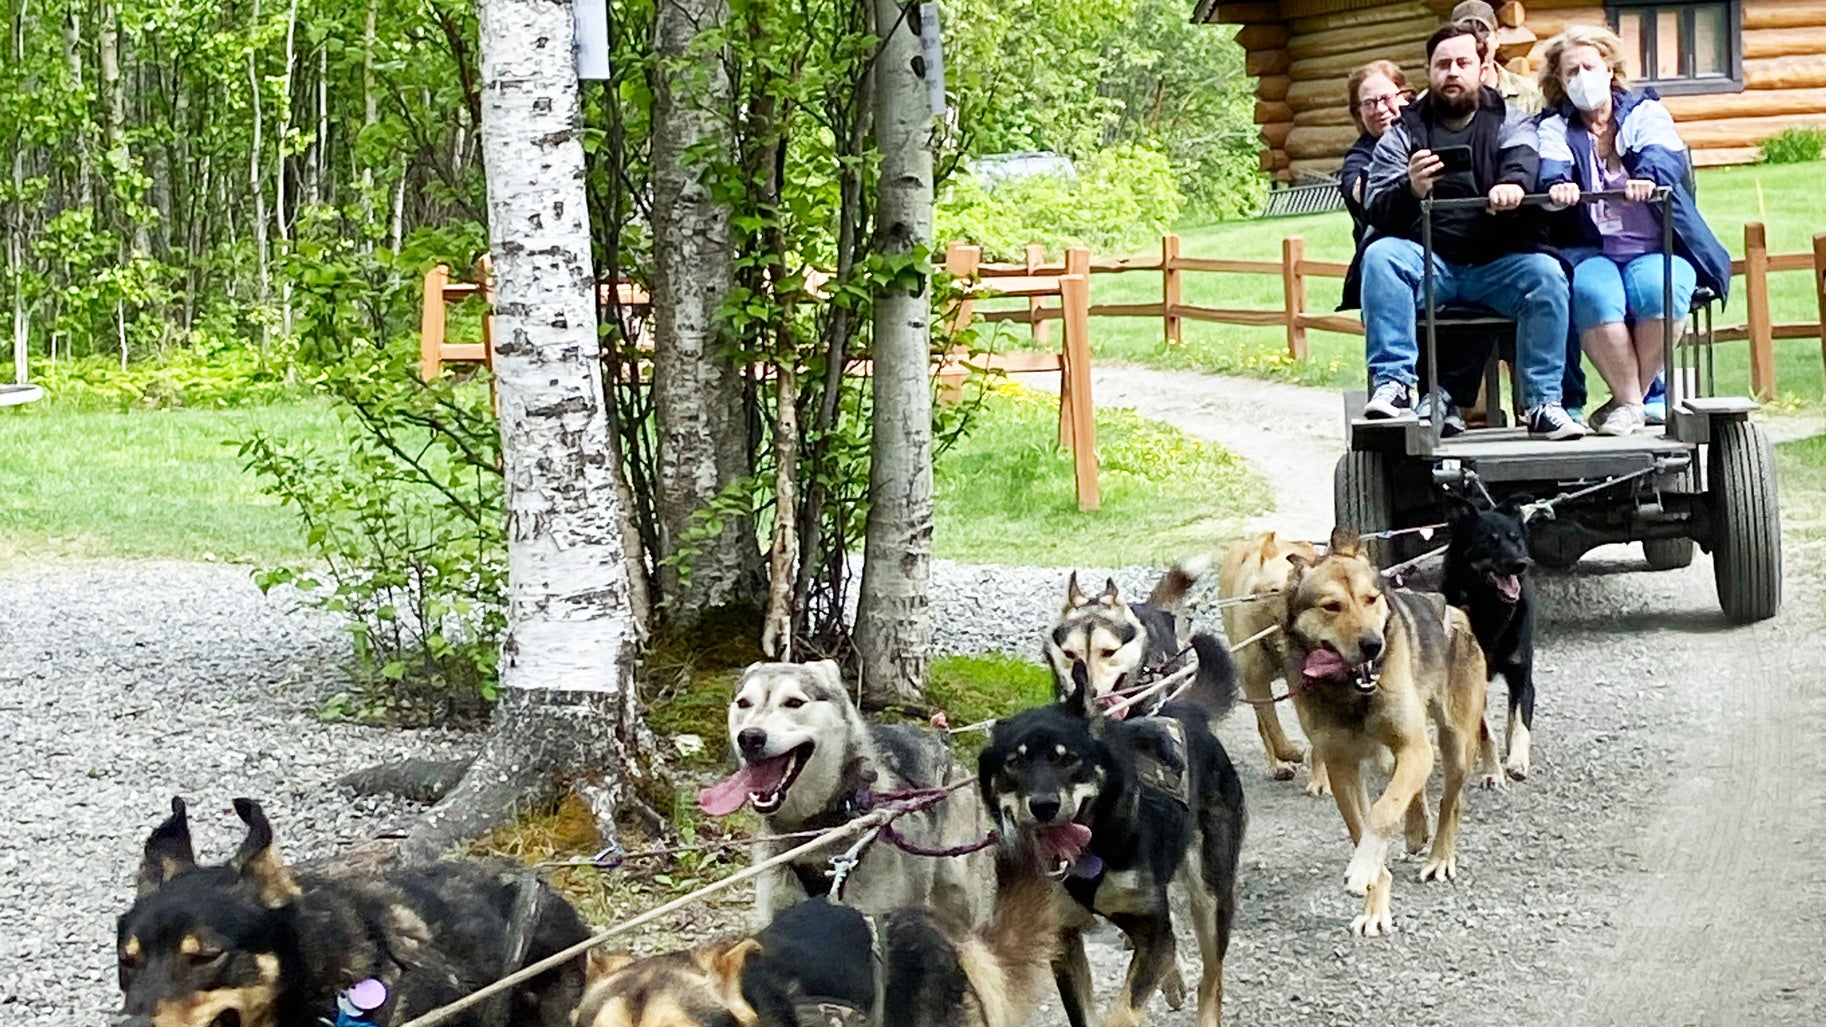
pixel 1301 52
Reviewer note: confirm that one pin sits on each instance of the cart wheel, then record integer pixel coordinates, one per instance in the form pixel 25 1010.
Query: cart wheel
pixel 1747 532
pixel 1671 554
pixel 1668 554
pixel 1363 501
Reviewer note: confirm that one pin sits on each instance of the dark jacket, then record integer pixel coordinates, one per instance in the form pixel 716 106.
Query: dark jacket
pixel 1652 150
pixel 1504 150
pixel 1355 172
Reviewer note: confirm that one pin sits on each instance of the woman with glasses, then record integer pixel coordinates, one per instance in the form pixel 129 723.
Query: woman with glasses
pixel 1377 92
pixel 1599 135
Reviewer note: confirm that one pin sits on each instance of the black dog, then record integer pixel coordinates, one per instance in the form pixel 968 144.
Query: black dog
pixel 246 944
pixel 1486 575
pixel 1122 808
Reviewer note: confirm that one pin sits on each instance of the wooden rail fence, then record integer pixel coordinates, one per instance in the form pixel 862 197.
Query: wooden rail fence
pixel 1295 269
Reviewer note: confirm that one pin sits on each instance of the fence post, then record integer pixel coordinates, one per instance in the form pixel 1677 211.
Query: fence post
pixel 1293 289
pixel 1042 330
pixel 961 261
pixel 1169 289
pixel 1819 287
pixel 1077 262
pixel 1761 329
pixel 431 324
pixel 1074 296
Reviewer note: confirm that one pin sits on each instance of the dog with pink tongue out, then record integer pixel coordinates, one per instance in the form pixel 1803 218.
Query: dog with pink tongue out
pixel 807 761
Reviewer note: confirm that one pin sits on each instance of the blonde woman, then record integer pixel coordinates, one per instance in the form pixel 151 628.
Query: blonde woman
pixel 1377 93
pixel 1599 135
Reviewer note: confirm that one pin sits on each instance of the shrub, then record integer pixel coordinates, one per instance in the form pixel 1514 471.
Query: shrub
pixel 1123 198
pixel 1796 144
pixel 203 376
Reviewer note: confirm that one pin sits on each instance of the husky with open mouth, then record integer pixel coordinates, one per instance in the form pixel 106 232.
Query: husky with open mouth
pixel 1118 810
pixel 806 758
pixel 1486 575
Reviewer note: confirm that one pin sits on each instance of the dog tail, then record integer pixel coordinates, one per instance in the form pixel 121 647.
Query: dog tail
pixel 1170 592
pixel 1216 686
pixel 1009 958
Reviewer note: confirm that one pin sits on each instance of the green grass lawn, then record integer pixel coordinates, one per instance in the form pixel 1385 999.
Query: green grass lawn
pixel 163 483
pixel 1005 494
pixel 168 483
pixel 1801 469
pixel 1785 197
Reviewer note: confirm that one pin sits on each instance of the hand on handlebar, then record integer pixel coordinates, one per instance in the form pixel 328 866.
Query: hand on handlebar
pixel 1564 194
pixel 1424 168
pixel 1639 190
pixel 1506 197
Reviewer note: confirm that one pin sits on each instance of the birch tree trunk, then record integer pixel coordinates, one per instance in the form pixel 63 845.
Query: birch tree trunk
pixel 567 714
pixel 893 621
pixel 697 385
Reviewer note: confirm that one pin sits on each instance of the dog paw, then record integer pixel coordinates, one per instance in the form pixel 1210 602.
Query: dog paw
pixel 1516 768
pixel 1173 989
pixel 1372 925
pixel 1367 865
pixel 1490 781
pixel 1445 869
pixel 1282 770
pixel 1417 843
pixel 1318 787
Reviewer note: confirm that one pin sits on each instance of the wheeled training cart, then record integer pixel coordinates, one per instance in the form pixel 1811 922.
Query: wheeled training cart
pixel 1707 480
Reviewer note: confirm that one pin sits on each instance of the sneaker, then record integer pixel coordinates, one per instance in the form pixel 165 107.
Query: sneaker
pixel 1654 405
pixel 1391 399
pixel 1451 421
pixel 1598 416
pixel 1622 421
pixel 1550 421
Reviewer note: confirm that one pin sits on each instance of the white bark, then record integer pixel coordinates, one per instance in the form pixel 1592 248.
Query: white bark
pixel 72 58
pixel 893 621
pixel 253 172
pixel 697 390
pixel 567 708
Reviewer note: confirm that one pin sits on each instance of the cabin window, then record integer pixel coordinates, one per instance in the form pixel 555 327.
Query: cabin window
pixel 1681 46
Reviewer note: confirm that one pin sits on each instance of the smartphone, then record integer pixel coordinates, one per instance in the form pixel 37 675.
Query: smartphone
pixel 1454 159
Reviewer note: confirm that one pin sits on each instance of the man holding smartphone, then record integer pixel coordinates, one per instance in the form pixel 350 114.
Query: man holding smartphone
pixel 1457 142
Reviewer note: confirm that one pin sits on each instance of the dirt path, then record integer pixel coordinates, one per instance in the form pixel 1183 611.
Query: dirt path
pixel 1662 865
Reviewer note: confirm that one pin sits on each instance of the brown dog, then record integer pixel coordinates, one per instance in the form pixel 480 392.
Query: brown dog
pixel 1258 566
pixel 1373 663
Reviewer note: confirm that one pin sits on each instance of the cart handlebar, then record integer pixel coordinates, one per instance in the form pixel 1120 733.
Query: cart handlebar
pixel 1662 193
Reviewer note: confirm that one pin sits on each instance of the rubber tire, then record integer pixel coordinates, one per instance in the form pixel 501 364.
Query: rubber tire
pixel 1747 524
pixel 1362 501
pixel 1668 554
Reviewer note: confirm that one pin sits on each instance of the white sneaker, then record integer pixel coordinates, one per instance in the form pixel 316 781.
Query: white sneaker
pixel 1390 400
pixel 1623 420
pixel 1596 421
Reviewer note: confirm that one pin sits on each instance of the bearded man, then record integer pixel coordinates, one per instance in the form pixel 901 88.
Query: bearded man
pixel 1494 256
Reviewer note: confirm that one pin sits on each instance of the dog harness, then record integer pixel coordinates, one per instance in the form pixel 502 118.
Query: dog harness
pixel 813 1011
pixel 1166 772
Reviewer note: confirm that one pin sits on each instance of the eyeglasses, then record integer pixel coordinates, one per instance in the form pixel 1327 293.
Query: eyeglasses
pixel 1393 101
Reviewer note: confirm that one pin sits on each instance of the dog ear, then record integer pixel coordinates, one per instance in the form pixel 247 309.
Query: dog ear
pixel 1074 596
pixel 1343 541
pixel 605 964
pixel 257 861
pixel 723 961
pixel 1111 595
pixel 828 672
pixel 168 851
pixel 1458 508
pixel 1515 506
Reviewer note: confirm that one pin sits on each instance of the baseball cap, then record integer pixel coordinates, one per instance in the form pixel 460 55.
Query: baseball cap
pixel 1475 10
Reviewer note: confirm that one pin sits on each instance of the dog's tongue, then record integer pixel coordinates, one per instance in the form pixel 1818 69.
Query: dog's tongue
pixel 729 794
pixel 1061 843
pixel 1323 663
pixel 1509 585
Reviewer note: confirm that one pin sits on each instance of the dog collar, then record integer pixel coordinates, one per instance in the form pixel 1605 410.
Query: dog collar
pixel 355 1005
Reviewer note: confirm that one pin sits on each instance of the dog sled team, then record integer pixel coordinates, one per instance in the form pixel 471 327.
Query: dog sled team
pixel 1114 802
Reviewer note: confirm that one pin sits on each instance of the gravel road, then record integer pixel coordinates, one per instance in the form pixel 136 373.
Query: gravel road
pixel 1660 867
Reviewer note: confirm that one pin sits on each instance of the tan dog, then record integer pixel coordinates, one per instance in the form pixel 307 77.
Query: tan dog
pixel 1251 567
pixel 1374 664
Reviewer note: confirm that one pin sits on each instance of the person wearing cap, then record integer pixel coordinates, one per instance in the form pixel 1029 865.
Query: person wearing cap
pixel 1520 96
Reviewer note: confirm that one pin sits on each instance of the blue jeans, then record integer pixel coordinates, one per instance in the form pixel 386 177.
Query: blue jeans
pixel 1606 291
pixel 1529 288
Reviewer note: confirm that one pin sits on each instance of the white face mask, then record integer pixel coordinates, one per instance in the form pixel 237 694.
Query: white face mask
pixel 1589 88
